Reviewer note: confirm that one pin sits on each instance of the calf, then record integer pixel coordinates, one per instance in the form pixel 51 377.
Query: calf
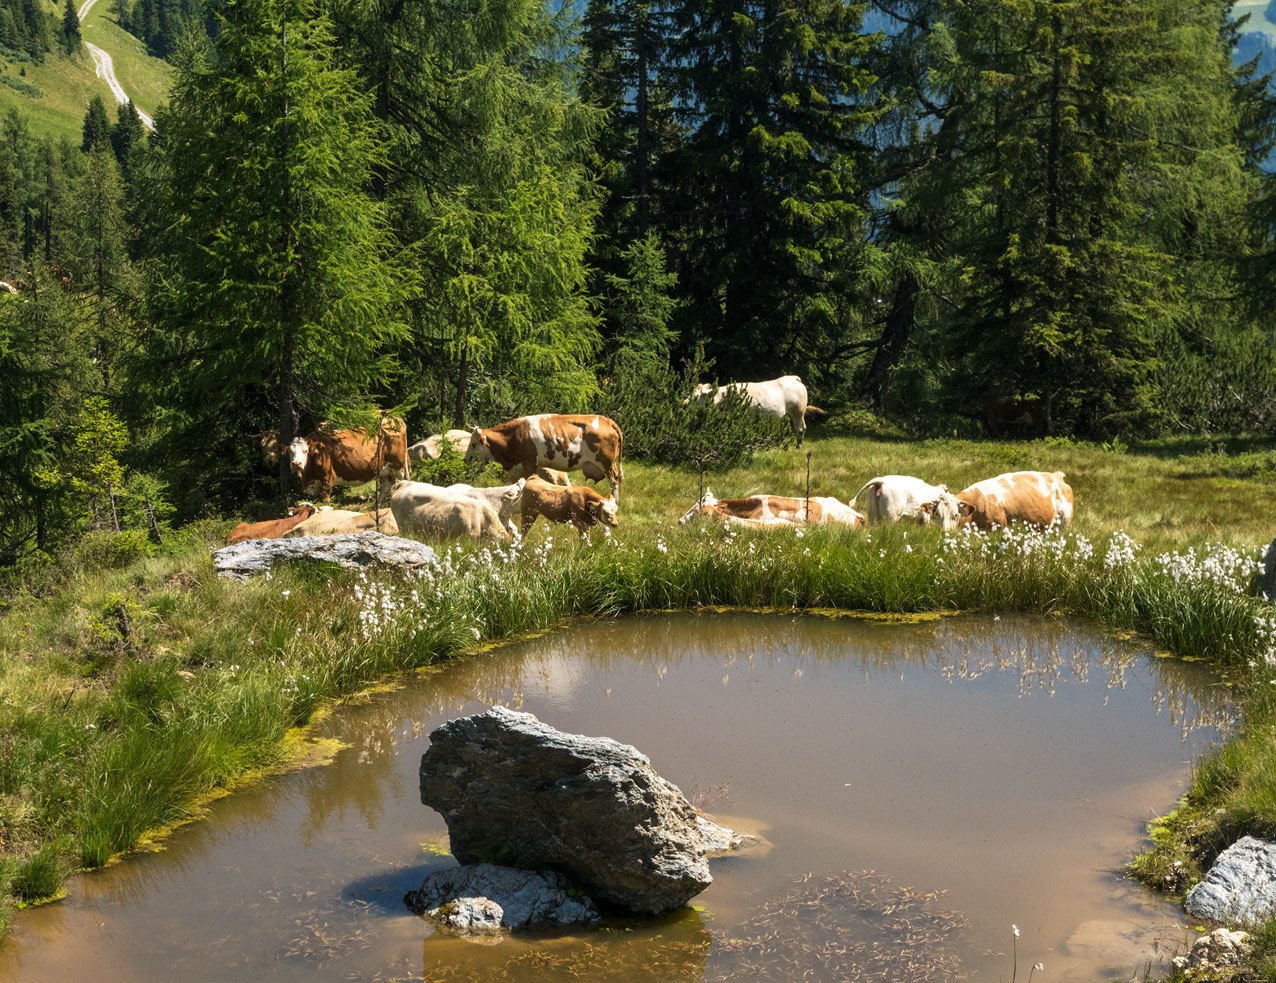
pixel 774 510
pixel 271 528
pixel 582 507
pixel 895 497
pixel 1038 498
pixel 591 444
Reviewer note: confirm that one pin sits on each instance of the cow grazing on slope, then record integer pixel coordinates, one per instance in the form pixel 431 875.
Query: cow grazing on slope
pixel 271 528
pixel 327 458
pixel 583 442
pixel 777 510
pixel 896 497
pixel 429 510
pixel 1039 498
pixel 582 507
pixel 784 398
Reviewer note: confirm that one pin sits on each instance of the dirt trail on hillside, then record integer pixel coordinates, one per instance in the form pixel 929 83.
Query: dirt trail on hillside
pixel 105 67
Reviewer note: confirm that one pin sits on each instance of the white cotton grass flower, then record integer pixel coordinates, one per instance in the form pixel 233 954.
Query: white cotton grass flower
pixel 1015 930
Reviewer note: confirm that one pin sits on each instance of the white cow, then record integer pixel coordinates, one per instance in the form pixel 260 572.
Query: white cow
pixel 504 499
pixel 894 497
pixel 433 511
pixel 431 449
pixel 774 510
pixel 784 398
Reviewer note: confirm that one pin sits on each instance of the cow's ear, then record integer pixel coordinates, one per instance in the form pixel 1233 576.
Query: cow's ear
pixel 928 507
pixel 965 508
pixel 476 436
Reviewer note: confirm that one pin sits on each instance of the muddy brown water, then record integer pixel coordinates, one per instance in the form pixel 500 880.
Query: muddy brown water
pixel 924 786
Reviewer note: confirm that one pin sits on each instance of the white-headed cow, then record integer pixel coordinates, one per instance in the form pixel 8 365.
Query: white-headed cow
pixel 898 497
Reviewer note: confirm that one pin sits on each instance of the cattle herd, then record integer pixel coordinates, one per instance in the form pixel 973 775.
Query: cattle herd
pixel 537 453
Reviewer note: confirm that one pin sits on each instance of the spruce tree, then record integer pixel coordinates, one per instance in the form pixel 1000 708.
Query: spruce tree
pixel 127 134
pixel 71 39
pixel 97 127
pixel 284 293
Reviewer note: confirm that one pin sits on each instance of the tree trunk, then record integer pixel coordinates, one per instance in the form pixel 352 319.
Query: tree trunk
pixel 462 387
pixel 901 320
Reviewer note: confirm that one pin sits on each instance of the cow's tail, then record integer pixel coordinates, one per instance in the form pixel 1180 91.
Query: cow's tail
pixel 816 410
pixel 875 485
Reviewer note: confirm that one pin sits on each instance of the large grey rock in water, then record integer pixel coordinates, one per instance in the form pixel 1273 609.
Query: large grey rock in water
pixel 354 550
pixel 515 790
pixel 1240 887
pixel 484 897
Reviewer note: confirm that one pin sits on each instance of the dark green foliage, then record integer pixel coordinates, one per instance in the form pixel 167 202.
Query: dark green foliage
pixel 662 421
pixel 70 38
pixel 281 296
pixel 639 303
pixel 128 138
pixel 97 127
pixel 163 23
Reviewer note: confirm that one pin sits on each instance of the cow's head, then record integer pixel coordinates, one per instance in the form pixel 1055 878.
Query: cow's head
pixel 946 509
pixel 704 505
pixel 965 513
pixel 479 449
pixel 298 456
pixel 302 509
pixel 702 390
pixel 603 510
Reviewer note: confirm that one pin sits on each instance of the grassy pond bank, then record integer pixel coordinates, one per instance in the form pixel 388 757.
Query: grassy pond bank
pixel 134 687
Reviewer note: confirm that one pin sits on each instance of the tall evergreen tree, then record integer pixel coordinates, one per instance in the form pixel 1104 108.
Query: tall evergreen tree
pixel 769 218
pixel 71 39
pixel 284 294
pixel 97 127
pixel 127 134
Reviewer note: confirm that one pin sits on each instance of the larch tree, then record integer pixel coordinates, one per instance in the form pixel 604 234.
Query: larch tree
pixel 282 291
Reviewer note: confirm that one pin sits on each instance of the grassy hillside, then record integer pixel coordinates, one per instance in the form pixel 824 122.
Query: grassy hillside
pixel 54 95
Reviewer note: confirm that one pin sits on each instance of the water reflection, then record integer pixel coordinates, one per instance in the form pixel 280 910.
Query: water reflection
pixel 970 771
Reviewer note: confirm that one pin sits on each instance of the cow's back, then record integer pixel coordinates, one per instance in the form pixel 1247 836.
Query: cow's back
pixel 1034 497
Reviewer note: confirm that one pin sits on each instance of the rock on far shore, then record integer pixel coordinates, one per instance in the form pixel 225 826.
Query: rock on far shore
pixel 486 898
pixel 353 550
pixel 515 790
pixel 1241 886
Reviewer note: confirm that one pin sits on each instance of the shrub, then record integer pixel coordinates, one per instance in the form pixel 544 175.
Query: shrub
pixel 103 550
pixel 451 468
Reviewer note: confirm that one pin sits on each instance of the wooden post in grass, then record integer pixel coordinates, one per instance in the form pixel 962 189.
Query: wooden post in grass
pixel 807 520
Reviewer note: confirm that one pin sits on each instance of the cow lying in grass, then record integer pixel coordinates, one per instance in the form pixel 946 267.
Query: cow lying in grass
pixel 582 507
pixel 271 528
pixel 769 511
pixel 1038 498
pixel 336 522
pixel 409 501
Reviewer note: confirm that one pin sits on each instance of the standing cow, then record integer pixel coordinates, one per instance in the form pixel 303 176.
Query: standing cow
pixel 897 497
pixel 1039 498
pixel 583 442
pixel 784 398
pixel 327 458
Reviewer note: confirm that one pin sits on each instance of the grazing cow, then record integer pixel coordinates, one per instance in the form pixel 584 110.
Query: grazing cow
pixel 582 507
pixel 784 398
pixel 894 497
pixel 349 457
pixel 1039 498
pixel 431 449
pixel 504 499
pixel 333 522
pixel 425 508
pixel 591 444
pixel 774 510
pixel 271 528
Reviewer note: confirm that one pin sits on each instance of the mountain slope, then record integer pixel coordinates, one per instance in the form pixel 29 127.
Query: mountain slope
pixel 55 94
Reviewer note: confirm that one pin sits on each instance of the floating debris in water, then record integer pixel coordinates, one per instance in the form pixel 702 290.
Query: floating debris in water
pixel 854 926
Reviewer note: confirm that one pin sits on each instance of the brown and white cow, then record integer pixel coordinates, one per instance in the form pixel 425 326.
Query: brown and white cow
pixel 775 510
pixel 582 507
pixel 1039 498
pixel 271 528
pixel 327 458
pixel 583 442
pixel 335 522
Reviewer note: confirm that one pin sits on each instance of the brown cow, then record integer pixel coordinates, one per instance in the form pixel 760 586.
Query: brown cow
pixel 1038 498
pixel 565 442
pixel 582 507
pixel 774 510
pixel 271 528
pixel 349 457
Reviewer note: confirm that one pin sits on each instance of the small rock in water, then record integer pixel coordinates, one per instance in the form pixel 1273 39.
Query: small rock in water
pixel 353 550
pixel 510 786
pixel 484 897
pixel 719 839
pixel 1221 949
pixel 1240 887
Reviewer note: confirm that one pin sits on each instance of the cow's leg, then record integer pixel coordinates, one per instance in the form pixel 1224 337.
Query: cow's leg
pixel 528 522
pixel 799 427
